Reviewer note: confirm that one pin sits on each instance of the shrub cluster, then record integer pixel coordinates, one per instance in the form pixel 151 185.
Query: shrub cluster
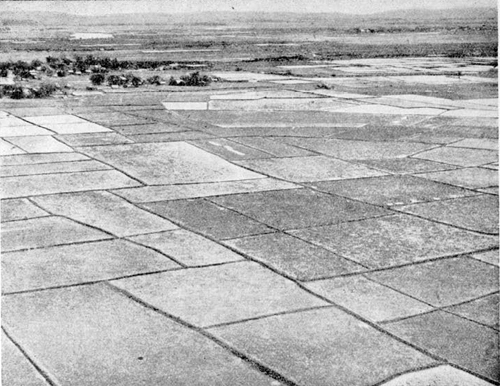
pixel 131 80
pixel 124 80
pixel 97 79
pixel 324 86
pixel 62 66
pixel 17 91
pixel 156 80
pixel 195 79
pixel 20 68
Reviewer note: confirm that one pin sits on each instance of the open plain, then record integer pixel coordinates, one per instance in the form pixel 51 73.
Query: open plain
pixel 262 231
pixel 325 212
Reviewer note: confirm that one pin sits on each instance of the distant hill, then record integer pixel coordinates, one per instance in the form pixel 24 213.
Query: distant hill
pixel 227 18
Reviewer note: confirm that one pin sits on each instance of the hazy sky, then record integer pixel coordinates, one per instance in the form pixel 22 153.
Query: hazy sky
pixel 91 7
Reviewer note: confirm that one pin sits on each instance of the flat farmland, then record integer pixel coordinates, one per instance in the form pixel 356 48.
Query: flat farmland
pixel 242 38
pixel 250 199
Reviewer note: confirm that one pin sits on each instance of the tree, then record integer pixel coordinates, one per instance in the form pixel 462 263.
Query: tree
pixel 97 79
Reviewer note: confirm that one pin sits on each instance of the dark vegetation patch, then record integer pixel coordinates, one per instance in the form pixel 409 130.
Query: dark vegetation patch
pixel 98 69
pixel 17 91
pixel 366 51
pixel 63 66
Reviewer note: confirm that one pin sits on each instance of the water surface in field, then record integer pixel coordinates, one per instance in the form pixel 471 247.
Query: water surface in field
pixel 91 35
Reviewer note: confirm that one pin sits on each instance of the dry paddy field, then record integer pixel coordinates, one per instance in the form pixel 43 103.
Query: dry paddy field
pixel 282 226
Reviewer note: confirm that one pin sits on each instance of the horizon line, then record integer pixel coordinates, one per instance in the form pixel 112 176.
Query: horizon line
pixel 252 11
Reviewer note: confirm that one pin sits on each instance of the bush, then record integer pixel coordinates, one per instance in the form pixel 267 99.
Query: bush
pixel 115 80
pixel 51 60
pixel 125 80
pixel 324 86
pixel 195 79
pixel 80 65
pixel 97 69
pixel 36 63
pixel 15 92
pixel 44 90
pixel 156 79
pixel 132 80
pixel 49 71
pixel 114 64
pixel 97 79
pixel 4 69
pixel 135 81
pixel 22 69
